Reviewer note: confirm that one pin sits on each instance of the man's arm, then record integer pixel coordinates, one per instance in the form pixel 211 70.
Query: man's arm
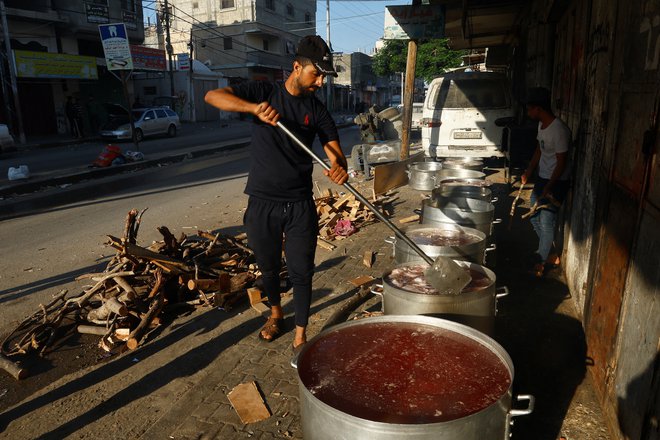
pixel 532 164
pixel 225 99
pixel 338 163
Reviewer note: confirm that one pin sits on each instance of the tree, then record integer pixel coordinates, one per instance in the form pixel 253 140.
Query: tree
pixel 434 57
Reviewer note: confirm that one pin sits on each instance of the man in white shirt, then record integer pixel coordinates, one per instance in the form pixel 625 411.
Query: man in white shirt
pixel 552 182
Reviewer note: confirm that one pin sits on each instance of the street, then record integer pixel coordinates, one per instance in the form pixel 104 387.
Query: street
pixel 48 161
pixel 45 252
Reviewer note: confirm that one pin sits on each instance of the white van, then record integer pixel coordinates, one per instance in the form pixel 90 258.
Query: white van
pixel 459 115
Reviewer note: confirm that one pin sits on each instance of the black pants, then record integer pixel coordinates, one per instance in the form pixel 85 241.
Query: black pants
pixel 267 224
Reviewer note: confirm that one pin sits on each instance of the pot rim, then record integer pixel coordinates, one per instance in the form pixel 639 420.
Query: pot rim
pixel 448 298
pixel 477 336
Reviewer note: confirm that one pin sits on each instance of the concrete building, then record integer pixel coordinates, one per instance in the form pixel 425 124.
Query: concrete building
pixel 58 54
pixel 246 39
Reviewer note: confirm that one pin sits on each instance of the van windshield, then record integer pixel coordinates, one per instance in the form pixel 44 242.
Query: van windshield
pixel 471 93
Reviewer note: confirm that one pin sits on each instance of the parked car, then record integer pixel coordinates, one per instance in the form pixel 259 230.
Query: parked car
pixel 6 140
pixel 148 122
pixel 417 115
pixel 459 115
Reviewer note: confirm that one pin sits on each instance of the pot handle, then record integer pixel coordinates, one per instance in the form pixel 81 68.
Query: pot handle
pixel 417 211
pixel 491 248
pixel 519 412
pixel 497 221
pixel 502 292
pixel 494 200
pixel 294 361
pixel 523 412
pixel 390 240
pixel 377 289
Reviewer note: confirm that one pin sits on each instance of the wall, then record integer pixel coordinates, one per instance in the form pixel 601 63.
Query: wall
pixel 606 85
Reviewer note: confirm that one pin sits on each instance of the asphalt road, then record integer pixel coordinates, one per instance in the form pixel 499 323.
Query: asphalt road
pixel 44 252
pixel 46 161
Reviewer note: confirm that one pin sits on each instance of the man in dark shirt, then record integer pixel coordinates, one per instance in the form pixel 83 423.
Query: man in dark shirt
pixel 281 205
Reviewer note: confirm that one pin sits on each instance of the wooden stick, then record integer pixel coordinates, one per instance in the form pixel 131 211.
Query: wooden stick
pixel 137 334
pixel 92 330
pixel 12 368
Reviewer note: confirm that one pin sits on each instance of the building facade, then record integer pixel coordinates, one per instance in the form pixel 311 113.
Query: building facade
pixel 58 54
pixel 243 39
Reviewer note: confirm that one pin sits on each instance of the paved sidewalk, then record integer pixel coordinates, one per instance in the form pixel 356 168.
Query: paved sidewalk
pixel 176 386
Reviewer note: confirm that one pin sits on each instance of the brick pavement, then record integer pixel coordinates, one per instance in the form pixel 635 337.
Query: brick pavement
pixel 204 412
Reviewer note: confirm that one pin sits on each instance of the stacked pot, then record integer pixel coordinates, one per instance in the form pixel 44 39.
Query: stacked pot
pixel 456 221
pixel 400 375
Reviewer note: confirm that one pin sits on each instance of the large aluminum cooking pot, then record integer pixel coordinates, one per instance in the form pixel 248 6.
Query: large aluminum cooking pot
pixel 466 182
pixel 459 173
pixel 463 164
pixel 475 306
pixel 473 250
pixel 472 213
pixel 353 376
pixel 467 191
pixel 422 176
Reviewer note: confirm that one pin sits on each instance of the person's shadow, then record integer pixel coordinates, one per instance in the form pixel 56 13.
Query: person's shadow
pixel 639 410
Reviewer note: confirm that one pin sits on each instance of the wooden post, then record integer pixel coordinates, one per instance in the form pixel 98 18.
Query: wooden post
pixel 407 98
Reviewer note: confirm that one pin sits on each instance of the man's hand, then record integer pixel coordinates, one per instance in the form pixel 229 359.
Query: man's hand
pixel 266 113
pixel 524 178
pixel 337 173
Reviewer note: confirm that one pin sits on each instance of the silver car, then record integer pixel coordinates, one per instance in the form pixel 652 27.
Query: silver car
pixel 6 140
pixel 148 122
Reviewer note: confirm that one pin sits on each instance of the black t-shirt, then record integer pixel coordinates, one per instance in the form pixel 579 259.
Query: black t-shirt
pixel 280 170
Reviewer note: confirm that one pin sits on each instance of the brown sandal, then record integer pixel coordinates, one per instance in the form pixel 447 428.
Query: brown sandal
pixel 273 328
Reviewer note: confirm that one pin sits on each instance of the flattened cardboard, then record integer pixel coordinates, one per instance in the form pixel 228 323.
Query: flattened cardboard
pixel 247 402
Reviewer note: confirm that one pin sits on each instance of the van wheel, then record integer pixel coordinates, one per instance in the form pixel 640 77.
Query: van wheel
pixel 171 130
pixel 139 136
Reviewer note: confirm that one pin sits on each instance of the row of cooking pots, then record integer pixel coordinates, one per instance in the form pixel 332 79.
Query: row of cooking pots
pixel 355 383
pixel 424 176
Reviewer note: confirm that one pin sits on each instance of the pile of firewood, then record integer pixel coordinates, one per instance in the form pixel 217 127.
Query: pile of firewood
pixel 128 298
pixel 333 207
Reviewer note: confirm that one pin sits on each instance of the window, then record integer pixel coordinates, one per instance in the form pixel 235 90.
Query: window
pixel 170 112
pixel 289 9
pixel 128 5
pixel 149 115
pixel 270 4
pixel 226 43
pixel 308 18
pixel 265 44
pixel 465 93
pixel 195 5
pixel 161 113
pixel 227 4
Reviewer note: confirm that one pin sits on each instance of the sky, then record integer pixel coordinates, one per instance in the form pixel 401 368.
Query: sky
pixel 355 25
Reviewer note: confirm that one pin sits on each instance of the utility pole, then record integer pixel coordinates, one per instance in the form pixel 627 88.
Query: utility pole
pixel 168 46
pixel 18 130
pixel 191 85
pixel 328 99
pixel 408 95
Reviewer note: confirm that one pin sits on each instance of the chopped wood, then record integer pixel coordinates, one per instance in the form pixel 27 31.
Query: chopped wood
pixel 12 368
pixel 368 258
pixel 248 403
pixel 92 330
pixel 128 299
pixel 410 219
pixel 324 244
pixel 361 280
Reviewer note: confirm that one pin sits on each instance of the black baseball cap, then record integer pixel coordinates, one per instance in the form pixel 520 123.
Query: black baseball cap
pixel 539 96
pixel 314 48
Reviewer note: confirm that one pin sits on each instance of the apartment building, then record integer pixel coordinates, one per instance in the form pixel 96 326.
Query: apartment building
pixel 58 54
pixel 243 39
